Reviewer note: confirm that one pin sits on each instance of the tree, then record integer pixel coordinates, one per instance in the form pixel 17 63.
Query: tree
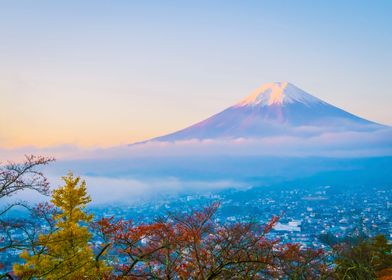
pixel 210 250
pixel 65 252
pixel 364 259
pixel 18 233
pixel 15 177
pixel 296 263
pixel 194 246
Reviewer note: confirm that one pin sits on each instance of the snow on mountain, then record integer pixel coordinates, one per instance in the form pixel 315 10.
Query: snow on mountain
pixel 278 93
pixel 274 109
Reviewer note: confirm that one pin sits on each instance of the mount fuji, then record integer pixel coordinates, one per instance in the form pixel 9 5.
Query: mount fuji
pixel 274 109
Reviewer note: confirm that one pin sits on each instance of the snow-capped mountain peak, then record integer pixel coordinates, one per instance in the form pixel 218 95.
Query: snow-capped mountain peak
pixel 278 93
pixel 274 109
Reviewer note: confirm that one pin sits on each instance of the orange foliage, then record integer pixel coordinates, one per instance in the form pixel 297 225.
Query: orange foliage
pixel 194 246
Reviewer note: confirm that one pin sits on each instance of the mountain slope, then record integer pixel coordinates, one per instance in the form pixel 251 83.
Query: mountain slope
pixel 274 109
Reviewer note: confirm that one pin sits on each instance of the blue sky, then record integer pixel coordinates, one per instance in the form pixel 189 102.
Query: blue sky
pixel 102 73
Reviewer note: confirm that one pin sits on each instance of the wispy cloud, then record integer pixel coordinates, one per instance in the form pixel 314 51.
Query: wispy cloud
pixel 129 174
pixel 339 144
pixel 105 190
